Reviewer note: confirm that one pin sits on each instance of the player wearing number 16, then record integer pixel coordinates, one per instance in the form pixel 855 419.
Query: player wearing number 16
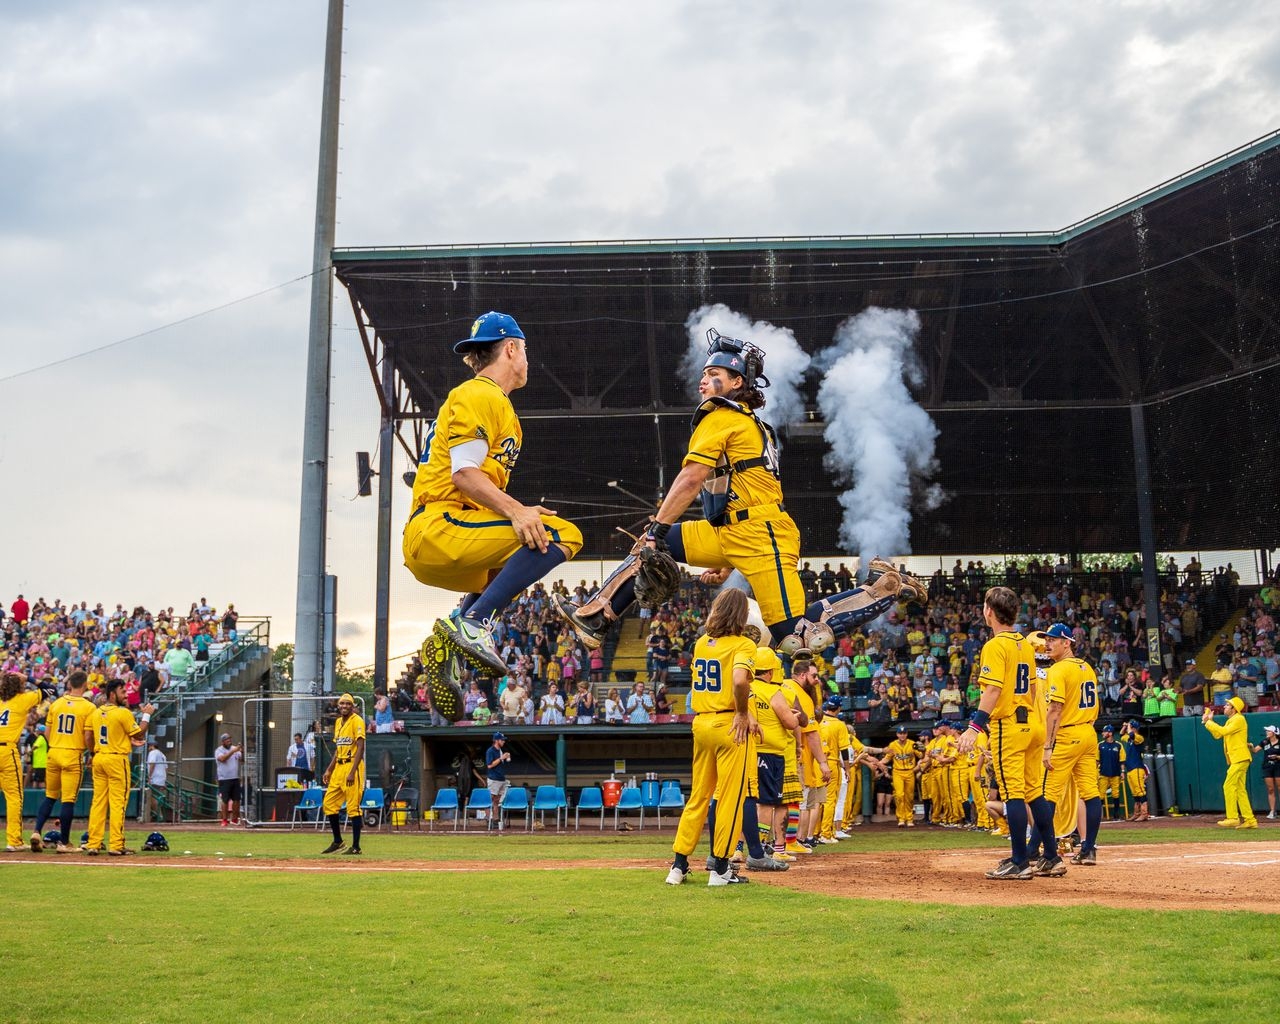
pixel 1011 713
pixel 1071 744
pixel 724 734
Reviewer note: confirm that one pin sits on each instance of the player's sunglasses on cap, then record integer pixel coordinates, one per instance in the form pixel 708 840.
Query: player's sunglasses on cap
pixel 488 327
pixel 1059 632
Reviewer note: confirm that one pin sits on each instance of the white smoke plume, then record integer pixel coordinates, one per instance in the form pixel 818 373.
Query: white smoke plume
pixel 785 361
pixel 882 442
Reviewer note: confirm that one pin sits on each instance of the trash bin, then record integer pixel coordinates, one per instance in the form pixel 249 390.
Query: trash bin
pixel 612 790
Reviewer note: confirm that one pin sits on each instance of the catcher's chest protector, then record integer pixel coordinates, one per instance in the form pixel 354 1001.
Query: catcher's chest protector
pixel 717 492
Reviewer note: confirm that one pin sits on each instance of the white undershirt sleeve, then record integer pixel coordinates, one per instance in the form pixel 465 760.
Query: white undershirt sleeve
pixel 469 454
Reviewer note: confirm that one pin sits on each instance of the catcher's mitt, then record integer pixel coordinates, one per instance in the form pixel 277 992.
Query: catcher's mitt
pixel 658 577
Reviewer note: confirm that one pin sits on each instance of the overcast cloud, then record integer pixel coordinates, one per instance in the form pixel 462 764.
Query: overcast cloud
pixel 158 159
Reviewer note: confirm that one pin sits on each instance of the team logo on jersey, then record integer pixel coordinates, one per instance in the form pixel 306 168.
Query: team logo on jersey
pixel 507 454
pixel 986 671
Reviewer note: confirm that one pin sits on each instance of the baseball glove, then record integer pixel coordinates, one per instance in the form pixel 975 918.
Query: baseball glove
pixel 658 578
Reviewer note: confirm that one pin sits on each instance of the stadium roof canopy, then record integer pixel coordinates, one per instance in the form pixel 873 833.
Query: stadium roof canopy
pixel 1036 348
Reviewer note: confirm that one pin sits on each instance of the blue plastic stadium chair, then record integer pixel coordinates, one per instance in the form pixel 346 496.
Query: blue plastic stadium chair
pixel 311 800
pixel 629 800
pixel 374 800
pixel 478 803
pixel 590 799
pixel 672 799
pixel 517 799
pixel 547 798
pixel 446 800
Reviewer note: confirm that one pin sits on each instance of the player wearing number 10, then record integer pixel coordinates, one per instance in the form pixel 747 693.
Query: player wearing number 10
pixel 65 726
pixel 724 733
pixel 1071 744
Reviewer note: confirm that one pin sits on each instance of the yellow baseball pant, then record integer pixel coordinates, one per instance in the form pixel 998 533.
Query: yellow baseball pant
pixel 338 794
pixel 63 775
pixel 110 797
pixel 1017 751
pixel 765 550
pixel 853 797
pixel 11 783
pixel 828 830
pixel 1235 793
pixel 456 548
pixel 904 795
pixel 1075 758
pixel 1137 780
pixel 723 769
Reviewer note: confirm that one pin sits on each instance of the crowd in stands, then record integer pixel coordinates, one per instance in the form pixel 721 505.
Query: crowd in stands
pixel 44 641
pixel 915 664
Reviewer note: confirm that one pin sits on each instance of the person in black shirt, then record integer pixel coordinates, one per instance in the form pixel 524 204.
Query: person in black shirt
pixel 1270 749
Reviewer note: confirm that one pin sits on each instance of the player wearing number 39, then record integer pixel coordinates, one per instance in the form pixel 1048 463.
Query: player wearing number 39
pixel 732 466
pixel 1070 742
pixel 724 735
pixel 1012 713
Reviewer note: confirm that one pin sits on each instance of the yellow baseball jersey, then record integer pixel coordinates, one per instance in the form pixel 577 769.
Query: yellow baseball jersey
pixel 835 738
pixel 1072 683
pixel 712 668
pixel 345 734
pixel 113 727
pixel 904 755
pixel 476 410
pixel 774 739
pixel 946 746
pixel 1008 663
pixel 13 714
pixel 727 433
pixel 65 724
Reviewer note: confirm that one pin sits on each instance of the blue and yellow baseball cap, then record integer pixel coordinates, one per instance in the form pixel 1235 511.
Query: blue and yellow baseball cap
pixel 832 703
pixel 489 327
pixel 1060 632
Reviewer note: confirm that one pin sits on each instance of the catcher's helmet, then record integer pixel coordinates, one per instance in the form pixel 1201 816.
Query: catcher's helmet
pixel 156 841
pixel 740 357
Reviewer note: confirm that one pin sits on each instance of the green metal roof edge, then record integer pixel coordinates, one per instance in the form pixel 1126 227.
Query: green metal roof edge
pixel 361 254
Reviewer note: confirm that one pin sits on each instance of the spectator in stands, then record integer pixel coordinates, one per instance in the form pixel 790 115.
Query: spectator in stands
pixel 1131 694
pixel 1192 686
pixel 1221 683
pixel 509 703
pixel 551 707
pixel 472 699
pixel 297 757
pixel 661 702
pixel 639 706
pixel 879 708
pixel 928 703
pixel 383 716
pixel 584 707
pixel 180 663
pixel 613 709
pixel 951 700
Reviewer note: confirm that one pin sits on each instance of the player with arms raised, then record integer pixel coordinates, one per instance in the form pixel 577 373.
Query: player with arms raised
pixel 466 533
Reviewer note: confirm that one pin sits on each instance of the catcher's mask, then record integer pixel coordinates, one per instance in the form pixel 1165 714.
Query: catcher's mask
pixel 740 357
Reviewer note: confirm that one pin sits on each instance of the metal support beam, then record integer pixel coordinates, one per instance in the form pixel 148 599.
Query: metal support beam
pixel 307 662
pixel 1147 540
pixel 386 468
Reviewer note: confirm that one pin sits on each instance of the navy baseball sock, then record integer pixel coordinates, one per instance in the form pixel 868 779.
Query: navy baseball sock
pixel 681 862
pixel 64 821
pixel 711 824
pixel 751 827
pixel 44 813
pixel 1016 813
pixel 928 811
pixel 335 824
pixel 1092 822
pixel 356 822
pixel 467 601
pixel 524 568
pixel 722 865
pixel 1042 814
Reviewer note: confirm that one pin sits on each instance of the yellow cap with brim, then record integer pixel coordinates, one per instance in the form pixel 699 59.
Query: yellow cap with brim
pixel 767 660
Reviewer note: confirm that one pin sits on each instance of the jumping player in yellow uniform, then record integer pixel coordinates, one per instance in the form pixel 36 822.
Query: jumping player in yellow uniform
pixel 1009 710
pixel 465 532
pixel 724 739
pixel 344 778
pixel 1071 744
pixel 65 727
pixel 732 464
pixel 112 729
pixel 16 705
pixel 903 755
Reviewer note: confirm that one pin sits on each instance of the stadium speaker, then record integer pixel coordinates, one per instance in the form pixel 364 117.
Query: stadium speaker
pixel 364 475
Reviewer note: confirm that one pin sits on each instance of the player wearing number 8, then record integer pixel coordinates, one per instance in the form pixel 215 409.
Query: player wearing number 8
pixel 724 734
pixel 1071 744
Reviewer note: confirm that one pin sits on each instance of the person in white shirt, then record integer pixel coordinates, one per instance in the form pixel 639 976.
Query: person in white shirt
pixel 157 777
pixel 552 706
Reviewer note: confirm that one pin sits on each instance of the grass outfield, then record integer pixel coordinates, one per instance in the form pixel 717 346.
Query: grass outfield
pixel 109 941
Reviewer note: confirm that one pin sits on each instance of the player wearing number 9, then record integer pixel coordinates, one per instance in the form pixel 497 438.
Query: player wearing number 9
pixel 1071 744
pixel 724 734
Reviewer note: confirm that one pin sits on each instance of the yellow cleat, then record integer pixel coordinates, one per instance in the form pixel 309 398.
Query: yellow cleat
pixel 1248 824
pixel 1229 823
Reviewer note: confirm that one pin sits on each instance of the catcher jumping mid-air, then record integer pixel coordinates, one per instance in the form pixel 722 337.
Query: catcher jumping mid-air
pixel 732 466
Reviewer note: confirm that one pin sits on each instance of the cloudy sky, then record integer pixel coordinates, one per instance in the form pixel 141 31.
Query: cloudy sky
pixel 157 160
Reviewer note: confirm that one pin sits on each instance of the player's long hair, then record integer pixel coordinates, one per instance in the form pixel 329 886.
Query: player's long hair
pixel 728 615
pixel 752 397
pixel 13 683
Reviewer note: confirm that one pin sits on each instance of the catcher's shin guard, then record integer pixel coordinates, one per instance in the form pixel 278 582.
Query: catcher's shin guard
pixel 836 616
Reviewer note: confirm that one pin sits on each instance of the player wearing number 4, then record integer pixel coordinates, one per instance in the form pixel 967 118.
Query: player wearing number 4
pixel 732 465
pixel 1011 713
pixel 65 728
pixel 1071 744
pixel 724 735
pixel 16 704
